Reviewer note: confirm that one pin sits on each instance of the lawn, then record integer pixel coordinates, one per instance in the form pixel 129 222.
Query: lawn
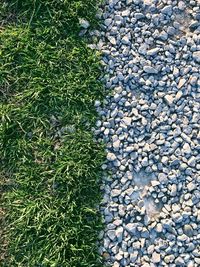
pixel 50 162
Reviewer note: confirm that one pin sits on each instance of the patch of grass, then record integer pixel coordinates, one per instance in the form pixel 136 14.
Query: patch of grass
pixel 48 85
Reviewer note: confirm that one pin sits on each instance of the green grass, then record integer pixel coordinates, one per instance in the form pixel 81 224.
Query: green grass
pixel 48 85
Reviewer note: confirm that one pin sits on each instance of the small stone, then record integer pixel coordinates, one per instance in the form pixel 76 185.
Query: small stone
pixel 169 258
pixel 127 120
pixel 191 186
pixel 143 49
pixel 155 183
pixel 162 177
pixel 188 230
pixel 130 149
pixel 111 234
pixel 133 256
pixel 190 247
pixel 118 256
pixel 164 160
pixel 112 40
pixel 159 228
pixel 163 36
pixel 125 40
pixel 174 190
pixel 192 161
pixel 111 157
pixel 167 10
pixel 196 56
pixel 84 23
pixel 171 31
pixel 155 257
pixel 153 51
pixel 150 70
pixel 150 249
pixel 179 261
pixel 108 22
pixel 106 255
pixel 182 82
pixel 126 13
pixel 186 148
pixel 181 5
pixel 115 192
pixel 169 99
pixel 178 96
pixel 139 15
pixel 116 144
pixel 97 103
pixel 194 24
pixel 119 233
pixel 145 162
pixel 197 260
pixel 116 264
pixel 106 132
pixel 131 228
pixel 193 80
pixel 136 245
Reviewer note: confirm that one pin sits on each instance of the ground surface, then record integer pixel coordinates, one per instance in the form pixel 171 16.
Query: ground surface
pixel 49 160
pixel 150 122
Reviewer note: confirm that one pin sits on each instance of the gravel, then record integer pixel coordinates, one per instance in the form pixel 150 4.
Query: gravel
pixel 149 122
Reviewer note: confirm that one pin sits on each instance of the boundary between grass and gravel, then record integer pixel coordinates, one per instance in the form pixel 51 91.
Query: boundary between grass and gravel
pixel 49 81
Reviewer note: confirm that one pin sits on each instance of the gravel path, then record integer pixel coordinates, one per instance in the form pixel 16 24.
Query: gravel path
pixel 150 124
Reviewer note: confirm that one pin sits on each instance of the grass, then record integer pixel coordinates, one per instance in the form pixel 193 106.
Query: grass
pixel 48 84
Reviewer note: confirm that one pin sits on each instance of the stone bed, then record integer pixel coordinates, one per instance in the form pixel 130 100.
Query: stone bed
pixel 149 122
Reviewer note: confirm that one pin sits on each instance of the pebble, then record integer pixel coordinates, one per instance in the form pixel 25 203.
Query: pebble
pixel 131 228
pixel 151 70
pixel 192 161
pixel 181 83
pixel 127 120
pixel 181 5
pixel 108 21
pixel 115 192
pixel 111 157
pixel 119 233
pixel 188 230
pixel 155 257
pixel 167 10
pixel 169 99
pixel 133 256
pixel 169 258
pixel 153 51
pixel 84 23
pixel 111 234
pixel 196 56
pixel 179 261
